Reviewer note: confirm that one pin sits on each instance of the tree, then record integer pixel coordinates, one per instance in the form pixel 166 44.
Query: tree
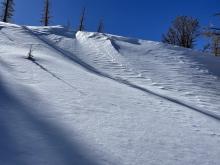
pixel 100 28
pixel 213 33
pixel 215 46
pixel 183 32
pixel 82 20
pixel 46 16
pixel 7 10
pixel 68 25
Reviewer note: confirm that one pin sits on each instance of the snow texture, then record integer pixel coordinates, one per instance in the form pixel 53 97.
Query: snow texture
pixel 89 98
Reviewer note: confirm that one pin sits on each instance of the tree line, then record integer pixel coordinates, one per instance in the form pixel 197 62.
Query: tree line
pixel 8 12
pixel 183 32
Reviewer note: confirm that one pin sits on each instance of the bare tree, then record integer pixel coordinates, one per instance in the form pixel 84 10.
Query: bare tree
pixel 215 46
pixel 46 16
pixel 213 33
pixel 7 10
pixel 183 32
pixel 101 27
pixel 82 20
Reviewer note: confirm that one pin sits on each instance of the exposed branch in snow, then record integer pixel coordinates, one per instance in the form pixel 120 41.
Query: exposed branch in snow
pixel 30 54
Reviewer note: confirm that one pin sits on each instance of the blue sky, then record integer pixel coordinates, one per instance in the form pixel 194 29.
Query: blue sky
pixel 146 19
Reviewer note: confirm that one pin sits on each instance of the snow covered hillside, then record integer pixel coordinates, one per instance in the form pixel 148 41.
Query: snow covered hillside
pixel 89 98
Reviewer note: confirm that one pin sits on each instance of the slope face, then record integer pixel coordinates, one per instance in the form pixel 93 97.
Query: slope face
pixel 173 72
pixel 83 100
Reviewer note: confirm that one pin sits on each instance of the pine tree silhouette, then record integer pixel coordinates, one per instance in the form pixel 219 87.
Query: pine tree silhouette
pixel 82 20
pixel 7 10
pixel 100 28
pixel 46 16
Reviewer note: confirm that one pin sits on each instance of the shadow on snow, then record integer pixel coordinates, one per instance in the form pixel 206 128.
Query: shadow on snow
pixel 19 125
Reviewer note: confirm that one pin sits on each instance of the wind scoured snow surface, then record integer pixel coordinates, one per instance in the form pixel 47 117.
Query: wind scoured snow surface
pixel 90 98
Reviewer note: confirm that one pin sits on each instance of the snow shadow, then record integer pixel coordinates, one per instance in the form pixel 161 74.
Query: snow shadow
pixel 114 39
pixel 27 138
pixel 115 45
pixel 55 30
pixel 4 34
pixel 203 60
pixel 173 100
pixel 128 40
pixel 89 68
pixel 5 65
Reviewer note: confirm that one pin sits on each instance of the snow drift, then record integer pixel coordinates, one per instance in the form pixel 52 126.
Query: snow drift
pixel 91 98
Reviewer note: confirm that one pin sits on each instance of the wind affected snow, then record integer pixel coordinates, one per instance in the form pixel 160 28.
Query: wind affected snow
pixel 90 98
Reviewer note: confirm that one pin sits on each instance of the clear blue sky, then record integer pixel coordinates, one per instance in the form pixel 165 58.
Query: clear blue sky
pixel 146 19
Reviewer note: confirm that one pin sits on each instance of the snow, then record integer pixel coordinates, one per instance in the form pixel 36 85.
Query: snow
pixel 90 98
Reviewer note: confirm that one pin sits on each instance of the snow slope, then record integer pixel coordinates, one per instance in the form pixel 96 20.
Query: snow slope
pixel 91 98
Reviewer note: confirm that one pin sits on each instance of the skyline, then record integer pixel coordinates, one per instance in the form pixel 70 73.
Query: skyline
pixel 138 19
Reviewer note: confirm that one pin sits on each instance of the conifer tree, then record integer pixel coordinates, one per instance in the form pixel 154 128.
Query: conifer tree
pixel 82 20
pixel 46 16
pixel 7 10
pixel 100 28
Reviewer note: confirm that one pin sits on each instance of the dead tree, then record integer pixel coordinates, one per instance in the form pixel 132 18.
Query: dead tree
pixel 7 10
pixel 82 20
pixel 183 32
pixel 46 16
pixel 100 28
pixel 214 41
pixel 213 34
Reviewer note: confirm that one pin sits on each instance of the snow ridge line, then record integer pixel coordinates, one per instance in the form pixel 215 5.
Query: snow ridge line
pixel 176 101
pixel 66 54
pixel 46 70
pixel 93 70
